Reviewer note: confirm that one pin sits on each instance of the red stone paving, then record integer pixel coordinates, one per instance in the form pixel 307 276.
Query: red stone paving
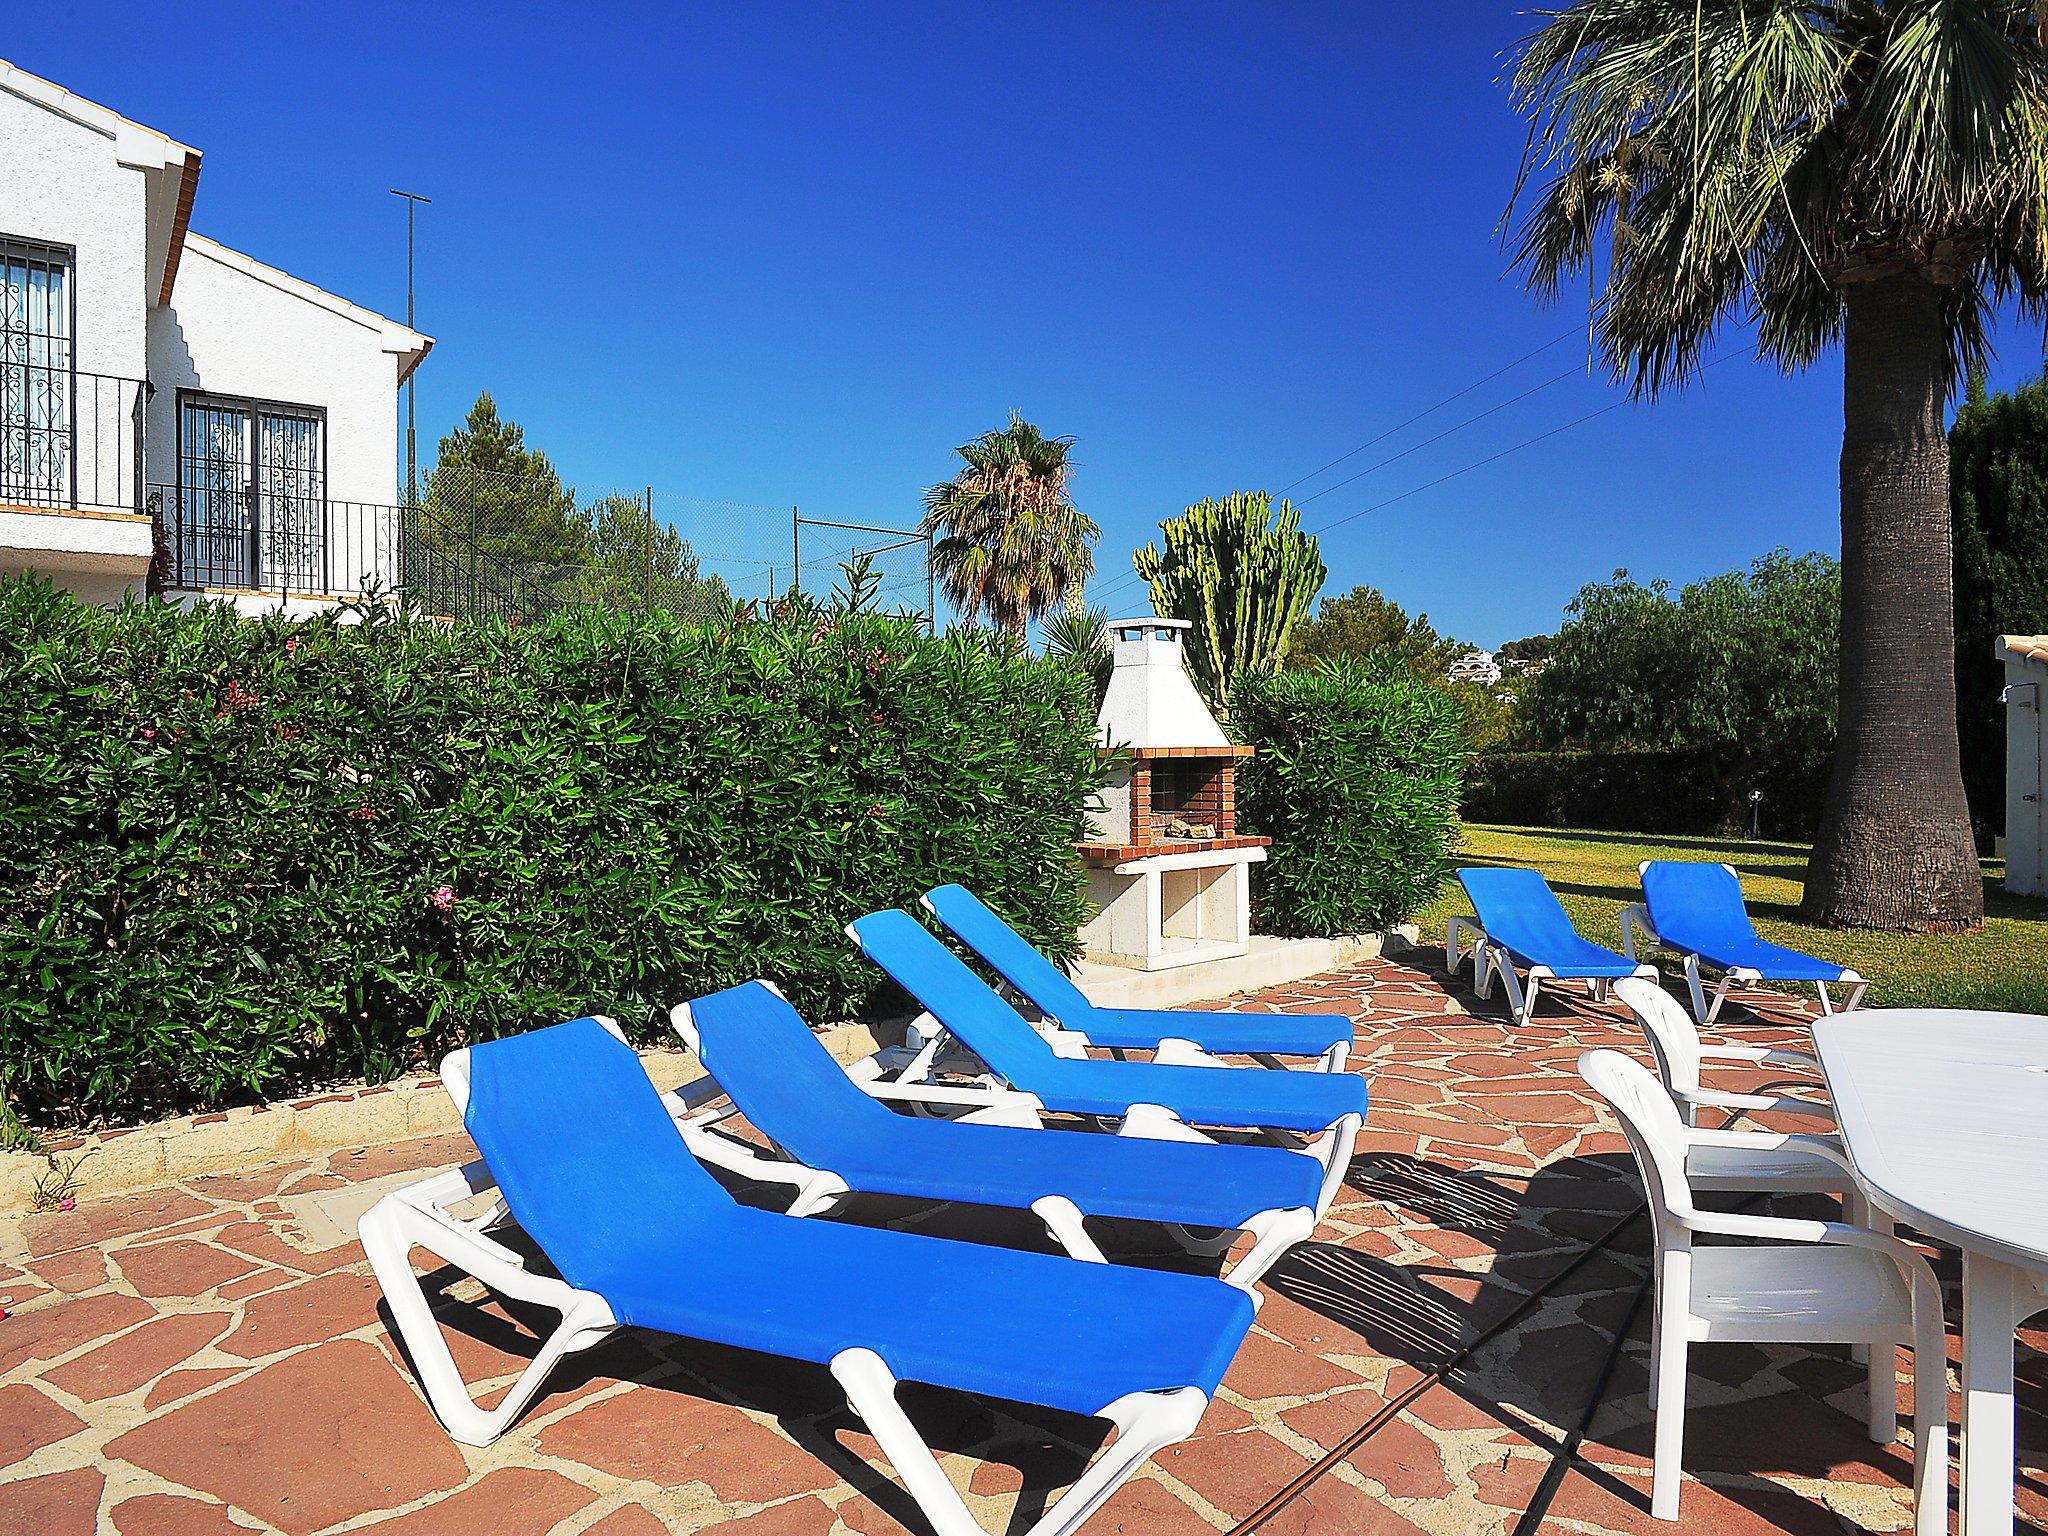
pixel 198 1360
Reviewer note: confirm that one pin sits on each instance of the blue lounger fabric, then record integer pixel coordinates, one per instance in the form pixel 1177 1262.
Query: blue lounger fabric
pixel 1052 992
pixel 1247 1098
pixel 785 1082
pixel 1521 913
pixel 1698 908
pixel 597 1174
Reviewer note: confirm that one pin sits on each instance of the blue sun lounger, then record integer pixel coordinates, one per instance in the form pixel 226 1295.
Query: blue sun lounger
pixel 1147 1098
pixel 1049 989
pixel 1697 909
pixel 776 1072
pixel 580 1151
pixel 1519 922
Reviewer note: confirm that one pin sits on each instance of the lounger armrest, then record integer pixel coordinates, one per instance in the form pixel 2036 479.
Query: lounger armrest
pixel 1828 1147
pixel 1175 1052
pixel 431 1198
pixel 1020 1112
pixel 1069 1043
pixel 947 1093
pixel 1636 916
pixel 702 1102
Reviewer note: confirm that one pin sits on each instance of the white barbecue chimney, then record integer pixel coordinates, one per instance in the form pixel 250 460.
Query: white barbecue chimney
pixel 1168 875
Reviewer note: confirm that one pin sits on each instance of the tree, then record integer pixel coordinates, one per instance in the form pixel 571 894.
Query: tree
pixel 490 491
pixel 1738 667
pixel 1243 574
pixel 1079 637
pixel 1529 653
pixel 1852 171
pixel 638 562
pixel 1998 489
pixel 1007 539
pixel 1365 621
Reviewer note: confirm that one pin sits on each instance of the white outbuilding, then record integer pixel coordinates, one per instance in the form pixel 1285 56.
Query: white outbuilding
pixel 2026 682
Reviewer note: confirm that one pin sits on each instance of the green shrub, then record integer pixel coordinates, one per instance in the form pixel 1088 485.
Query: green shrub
pixel 238 857
pixel 1356 782
pixel 1669 794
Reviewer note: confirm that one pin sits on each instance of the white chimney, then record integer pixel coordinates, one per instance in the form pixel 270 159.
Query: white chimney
pixel 1151 701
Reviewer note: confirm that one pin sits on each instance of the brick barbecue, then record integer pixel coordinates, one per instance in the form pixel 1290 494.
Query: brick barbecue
pixel 1168 873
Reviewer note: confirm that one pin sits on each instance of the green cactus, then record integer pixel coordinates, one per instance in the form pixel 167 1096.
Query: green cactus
pixel 1242 572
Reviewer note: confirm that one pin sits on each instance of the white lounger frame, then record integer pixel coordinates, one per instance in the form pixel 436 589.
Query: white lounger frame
pixel 1490 959
pixel 421 1216
pixel 819 1189
pixel 1635 919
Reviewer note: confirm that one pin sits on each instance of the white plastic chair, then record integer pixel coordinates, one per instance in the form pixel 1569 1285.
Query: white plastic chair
pixel 1786 1165
pixel 1803 1282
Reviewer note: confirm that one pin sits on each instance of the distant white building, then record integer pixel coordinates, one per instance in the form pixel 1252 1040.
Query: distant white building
pixel 164 397
pixel 1475 667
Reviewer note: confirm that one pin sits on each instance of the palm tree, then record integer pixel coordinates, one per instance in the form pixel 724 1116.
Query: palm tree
pixel 1007 540
pixel 1868 172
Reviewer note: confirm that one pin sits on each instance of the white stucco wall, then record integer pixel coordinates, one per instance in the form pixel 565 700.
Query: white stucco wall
pixel 230 331
pixel 61 183
pixel 2026 785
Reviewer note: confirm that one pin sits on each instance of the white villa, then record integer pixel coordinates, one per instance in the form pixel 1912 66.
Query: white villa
pixel 165 398
pixel 1475 667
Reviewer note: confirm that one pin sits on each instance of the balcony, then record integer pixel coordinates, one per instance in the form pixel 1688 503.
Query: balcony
pixel 70 441
pixel 71 474
pixel 227 530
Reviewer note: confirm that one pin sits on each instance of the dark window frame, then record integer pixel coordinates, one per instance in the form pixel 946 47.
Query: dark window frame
pixel 48 253
pixel 252 408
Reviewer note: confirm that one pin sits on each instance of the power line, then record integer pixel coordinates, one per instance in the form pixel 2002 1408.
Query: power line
pixel 1465 469
pixel 1527 442
pixel 1450 399
pixel 1554 379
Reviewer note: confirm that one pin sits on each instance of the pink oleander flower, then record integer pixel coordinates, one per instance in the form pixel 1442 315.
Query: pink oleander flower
pixel 291 645
pixel 444 898
pixel 149 733
pixel 67 1204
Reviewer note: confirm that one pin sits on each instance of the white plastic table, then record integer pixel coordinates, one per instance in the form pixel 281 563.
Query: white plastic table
pixel 1944 1113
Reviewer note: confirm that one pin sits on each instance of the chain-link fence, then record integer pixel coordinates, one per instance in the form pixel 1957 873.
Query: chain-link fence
pixel 484 541
pixel 481 541
pixel 891 566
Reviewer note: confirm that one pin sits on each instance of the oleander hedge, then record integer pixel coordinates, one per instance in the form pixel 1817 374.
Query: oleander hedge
pixel 1356 781
pixel 244 857
pixel 1672 794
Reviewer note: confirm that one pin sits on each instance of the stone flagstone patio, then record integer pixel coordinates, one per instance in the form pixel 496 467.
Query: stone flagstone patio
pixel 208 1358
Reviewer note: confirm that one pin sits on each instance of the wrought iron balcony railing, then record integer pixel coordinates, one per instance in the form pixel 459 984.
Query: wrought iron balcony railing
pixel 222 529
pixel 70 441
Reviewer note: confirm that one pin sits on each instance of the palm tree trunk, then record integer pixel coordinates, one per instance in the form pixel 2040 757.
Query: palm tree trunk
pixel 1895 849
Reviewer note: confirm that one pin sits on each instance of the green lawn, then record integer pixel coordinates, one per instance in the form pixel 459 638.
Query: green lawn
pixel 2002 965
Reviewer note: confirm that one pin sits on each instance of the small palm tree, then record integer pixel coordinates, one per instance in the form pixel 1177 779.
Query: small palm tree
pixel 1007 539
pixel 1872 173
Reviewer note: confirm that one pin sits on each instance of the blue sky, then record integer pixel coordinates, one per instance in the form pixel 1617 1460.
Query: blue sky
pixel 760 255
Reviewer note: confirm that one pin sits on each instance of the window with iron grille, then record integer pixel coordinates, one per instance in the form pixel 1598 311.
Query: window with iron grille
pixel 36 380
pixel 252 494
